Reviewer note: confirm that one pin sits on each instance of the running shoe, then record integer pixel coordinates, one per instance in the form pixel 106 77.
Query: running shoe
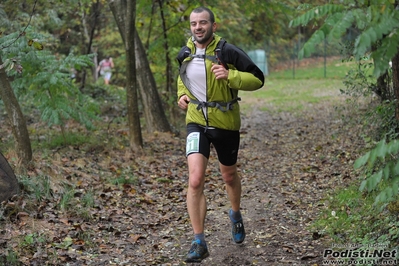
pixel 238 231
pixel 197 252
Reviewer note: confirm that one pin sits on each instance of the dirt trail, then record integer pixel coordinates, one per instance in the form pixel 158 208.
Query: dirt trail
pixel 288 165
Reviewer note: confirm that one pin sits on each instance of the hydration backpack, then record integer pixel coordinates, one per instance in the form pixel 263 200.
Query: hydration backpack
pixel 217 58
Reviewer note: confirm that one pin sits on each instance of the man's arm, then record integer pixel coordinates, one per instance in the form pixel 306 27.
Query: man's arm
pixel 243 81
pixel 244 74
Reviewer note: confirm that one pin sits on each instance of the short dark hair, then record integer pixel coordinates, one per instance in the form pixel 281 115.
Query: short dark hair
pixel 202 9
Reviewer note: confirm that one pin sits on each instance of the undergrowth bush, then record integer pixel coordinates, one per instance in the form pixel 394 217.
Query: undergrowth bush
pixel 366 211
pixel 350 217
pixel 380 166
pixel 42 79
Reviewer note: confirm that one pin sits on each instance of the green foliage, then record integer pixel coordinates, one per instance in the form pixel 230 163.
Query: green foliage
pixel 124 177
pixel 67 198
pixel 349 217
pixel 39 188
pixel 44 80
pixel 31 240
pixel 381 169
pixel 380 115
pixel 376 23
pixel 358 80
pixel 9 257
pixel 69 138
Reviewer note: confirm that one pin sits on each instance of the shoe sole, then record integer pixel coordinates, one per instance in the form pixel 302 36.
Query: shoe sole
pixel 197 260
pixel 239 242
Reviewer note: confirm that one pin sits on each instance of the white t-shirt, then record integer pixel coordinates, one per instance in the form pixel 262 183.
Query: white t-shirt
pixel 196 74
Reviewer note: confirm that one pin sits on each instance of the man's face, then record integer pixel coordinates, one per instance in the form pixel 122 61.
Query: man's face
pixel 201 28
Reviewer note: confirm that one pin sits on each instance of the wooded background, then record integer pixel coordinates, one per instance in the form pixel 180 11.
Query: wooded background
pixel 44 43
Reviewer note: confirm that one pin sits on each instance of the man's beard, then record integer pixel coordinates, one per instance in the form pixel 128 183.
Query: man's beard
pixel 204 39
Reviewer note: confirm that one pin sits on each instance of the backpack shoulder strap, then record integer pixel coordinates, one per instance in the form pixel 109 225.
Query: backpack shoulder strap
pixel 219 53
pixel 186 52
pixel 183 53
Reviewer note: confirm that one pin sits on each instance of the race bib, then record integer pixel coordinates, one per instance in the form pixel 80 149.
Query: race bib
pixel 192 144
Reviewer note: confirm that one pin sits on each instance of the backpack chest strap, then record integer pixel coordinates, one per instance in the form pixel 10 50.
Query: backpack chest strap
pixel 213 58
pixel 222 106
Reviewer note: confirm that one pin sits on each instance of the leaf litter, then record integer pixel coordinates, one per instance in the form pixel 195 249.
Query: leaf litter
pixel 138 215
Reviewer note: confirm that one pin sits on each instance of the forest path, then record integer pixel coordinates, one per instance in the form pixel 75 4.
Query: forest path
pixel 288 163
pixel 137 216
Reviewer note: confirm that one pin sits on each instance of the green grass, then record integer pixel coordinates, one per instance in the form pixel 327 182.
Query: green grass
pixel 283 93
pixel 292 95
pixel 333 69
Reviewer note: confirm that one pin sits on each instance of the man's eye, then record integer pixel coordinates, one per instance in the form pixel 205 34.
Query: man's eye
pixel 202 23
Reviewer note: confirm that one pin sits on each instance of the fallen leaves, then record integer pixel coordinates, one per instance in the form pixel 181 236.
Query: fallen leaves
pixel 137 212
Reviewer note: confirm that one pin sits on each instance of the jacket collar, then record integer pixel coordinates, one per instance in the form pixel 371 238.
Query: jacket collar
pixel 211 46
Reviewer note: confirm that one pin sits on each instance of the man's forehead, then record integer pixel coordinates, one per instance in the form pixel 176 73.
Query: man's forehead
pixel 199 16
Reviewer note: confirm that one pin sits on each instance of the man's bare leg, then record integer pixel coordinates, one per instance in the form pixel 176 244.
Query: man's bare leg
pixel 196 202
pixel 233 185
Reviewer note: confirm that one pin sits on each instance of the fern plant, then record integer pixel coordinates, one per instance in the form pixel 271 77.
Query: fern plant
pixel 381 168
pixel 43 79
pixel 377 23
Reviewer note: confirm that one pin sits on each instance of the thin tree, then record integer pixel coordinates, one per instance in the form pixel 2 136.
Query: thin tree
pixel 125 13
pixel 89 25
pixel 154 114
pixel 170 89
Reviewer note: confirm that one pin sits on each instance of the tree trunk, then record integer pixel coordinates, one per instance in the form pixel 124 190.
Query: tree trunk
pixel 154 113
pixel 395 78
pixel 395 83
pixel 88 36
pixel 8 181
pixel 382 87
pixel 170 89
pixel 16 118
pixel 125 13
pixel 136 140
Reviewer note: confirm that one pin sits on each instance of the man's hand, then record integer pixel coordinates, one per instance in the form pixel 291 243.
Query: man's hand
pixel 183 102
pixel 219 71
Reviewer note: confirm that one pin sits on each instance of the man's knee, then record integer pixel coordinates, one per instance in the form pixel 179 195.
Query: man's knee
pixel 230 178
pixel 196 183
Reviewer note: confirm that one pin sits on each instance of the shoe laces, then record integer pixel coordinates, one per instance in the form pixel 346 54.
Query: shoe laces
pixel 196 247
pixel 237 228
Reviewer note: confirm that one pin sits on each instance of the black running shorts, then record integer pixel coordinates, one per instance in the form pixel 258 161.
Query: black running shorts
pixel 226 143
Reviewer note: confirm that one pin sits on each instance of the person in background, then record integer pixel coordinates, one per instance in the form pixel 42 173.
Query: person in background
pixel 208 91
pixel 105 67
